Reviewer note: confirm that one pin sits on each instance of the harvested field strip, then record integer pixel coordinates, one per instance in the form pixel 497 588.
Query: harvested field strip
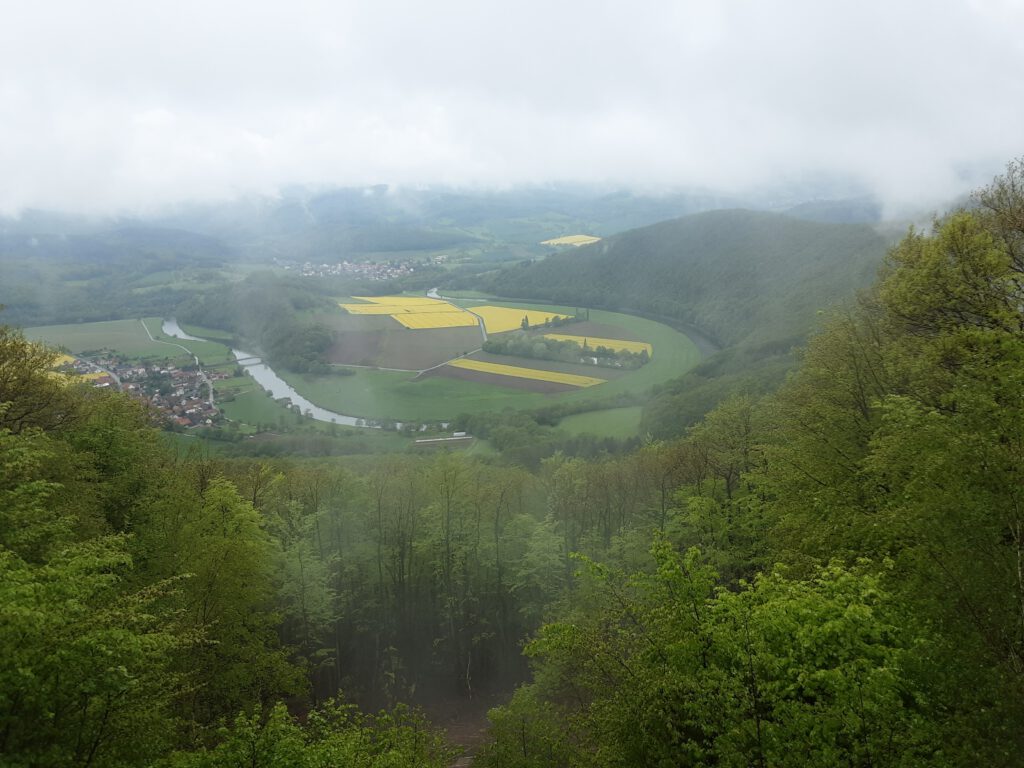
pixel 500 319
pixel 526 373
pixel 436 319
pixel 572 240
pixel 593 343
pixel 399 300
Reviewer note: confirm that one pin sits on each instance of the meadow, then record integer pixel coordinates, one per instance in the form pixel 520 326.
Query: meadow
pixel 612 422
pixel 127 337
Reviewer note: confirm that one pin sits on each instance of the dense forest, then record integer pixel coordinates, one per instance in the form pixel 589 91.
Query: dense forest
pixel 751 281
pixel 828 574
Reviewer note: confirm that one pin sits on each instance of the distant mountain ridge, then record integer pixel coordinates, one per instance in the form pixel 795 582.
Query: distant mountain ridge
pixel 738 275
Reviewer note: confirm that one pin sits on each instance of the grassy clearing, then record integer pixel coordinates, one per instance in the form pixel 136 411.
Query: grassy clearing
pixel 613 422
pixel 212 334
pixel 235 385
pixel 255 407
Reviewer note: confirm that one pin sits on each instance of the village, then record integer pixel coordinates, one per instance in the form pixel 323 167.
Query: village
pixel 364 270
pixel 181 396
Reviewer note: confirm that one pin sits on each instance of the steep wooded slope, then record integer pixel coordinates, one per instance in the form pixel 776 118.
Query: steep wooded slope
pixel 737 275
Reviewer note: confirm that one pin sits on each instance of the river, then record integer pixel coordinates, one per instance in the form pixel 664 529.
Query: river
pixel 270 381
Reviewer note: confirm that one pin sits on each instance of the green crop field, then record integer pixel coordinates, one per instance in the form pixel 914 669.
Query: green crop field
pixel 206 333
pixel 127 337
pixel 613 422
pixel 255 407
pixel 394 395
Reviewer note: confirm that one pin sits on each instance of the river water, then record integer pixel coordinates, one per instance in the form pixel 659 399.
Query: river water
pixel 269 380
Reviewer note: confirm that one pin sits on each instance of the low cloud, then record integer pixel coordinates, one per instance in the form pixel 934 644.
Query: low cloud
pixel 112 106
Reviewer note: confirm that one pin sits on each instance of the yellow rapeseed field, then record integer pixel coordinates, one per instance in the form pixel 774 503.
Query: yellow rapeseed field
pixel 436 319
pixel 500 319
pixel 576 240
pixel 413 311
pixel 526 373
pixel 593 342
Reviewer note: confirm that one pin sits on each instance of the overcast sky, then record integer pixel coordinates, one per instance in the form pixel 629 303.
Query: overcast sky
pixel 126 105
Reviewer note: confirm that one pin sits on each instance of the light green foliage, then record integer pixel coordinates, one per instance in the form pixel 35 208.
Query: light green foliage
pixel 84 668
pixel 30 395
pixel 218 539
pixel 671 671
pixel 901 437
pixel 334 735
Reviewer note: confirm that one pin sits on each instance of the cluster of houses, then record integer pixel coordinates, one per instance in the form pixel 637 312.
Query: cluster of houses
pixel 182 396
pixel 386 270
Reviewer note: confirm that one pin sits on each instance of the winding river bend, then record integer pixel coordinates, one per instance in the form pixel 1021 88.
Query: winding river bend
pixel 270 381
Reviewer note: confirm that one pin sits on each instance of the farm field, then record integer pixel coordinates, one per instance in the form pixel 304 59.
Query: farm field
pixel 449 390
pixel 501 319
pixel 255 407
pixel 519 372
pixel 614 422
pixel 415 312
pixel 675 353
pixel 418 350
pixel 376 341
pixel 427 320
pixel 128 337
pixel 593 342
pixel 394 395
pixel 578 369
pixel 576 240
pixel 206 333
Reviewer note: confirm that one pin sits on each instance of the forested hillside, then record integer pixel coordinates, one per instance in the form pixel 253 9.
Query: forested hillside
pixel 840 583
pixel 828 575
pixel 738 276
pixel 754 282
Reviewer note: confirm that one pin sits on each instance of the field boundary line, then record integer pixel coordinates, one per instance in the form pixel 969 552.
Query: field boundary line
pixel 442 365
